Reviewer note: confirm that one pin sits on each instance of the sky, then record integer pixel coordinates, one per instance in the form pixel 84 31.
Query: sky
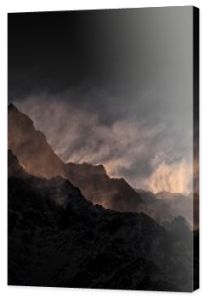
pixel 111 87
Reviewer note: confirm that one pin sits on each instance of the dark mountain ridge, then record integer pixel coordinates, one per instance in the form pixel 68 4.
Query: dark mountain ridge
pixel 98 187
pixel 73 243
pixel 37 158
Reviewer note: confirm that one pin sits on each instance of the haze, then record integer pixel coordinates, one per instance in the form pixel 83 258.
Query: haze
pixel 112 88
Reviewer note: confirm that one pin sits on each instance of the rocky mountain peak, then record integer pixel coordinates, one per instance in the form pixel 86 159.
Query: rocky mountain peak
pixel 30 146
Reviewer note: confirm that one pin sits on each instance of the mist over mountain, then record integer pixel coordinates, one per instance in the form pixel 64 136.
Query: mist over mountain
pixel 148 155
pixel 167 208
pixel 38 158
pixel 98 187
pixel 74 226
pixel 103 156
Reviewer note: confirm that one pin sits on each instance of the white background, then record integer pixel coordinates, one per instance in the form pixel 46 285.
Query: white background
pixel 56 293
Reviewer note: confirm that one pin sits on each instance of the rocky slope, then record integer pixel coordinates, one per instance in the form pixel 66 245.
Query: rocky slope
pixel 38 158
pixel 98 187
pixel 31 147
pixel 58 238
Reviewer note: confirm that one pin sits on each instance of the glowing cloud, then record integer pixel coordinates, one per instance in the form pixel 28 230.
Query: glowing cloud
pixel 172 178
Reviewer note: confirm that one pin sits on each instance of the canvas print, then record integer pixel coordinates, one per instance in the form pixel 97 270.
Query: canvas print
pixel 103 158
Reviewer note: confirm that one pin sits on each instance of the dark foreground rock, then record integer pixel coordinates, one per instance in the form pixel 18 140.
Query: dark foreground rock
pixel 58 238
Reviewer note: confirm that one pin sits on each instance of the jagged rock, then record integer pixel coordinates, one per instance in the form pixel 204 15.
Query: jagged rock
pixel 73 243
pixel 31 147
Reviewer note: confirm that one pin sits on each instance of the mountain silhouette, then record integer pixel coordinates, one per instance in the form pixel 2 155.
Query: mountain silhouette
pixel 98 187
pixel 58 238
pixel 14 168
pixel 37 158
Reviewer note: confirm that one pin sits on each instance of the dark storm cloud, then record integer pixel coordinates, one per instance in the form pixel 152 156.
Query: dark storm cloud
pixel 127 50
pixel 112 87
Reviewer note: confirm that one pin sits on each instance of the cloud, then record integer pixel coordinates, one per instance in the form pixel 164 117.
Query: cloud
pixel 147 155
pixel 175 178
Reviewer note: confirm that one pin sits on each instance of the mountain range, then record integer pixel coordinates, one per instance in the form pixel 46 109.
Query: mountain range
pixel 38 159
pixel 72 225
pixel 58 238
